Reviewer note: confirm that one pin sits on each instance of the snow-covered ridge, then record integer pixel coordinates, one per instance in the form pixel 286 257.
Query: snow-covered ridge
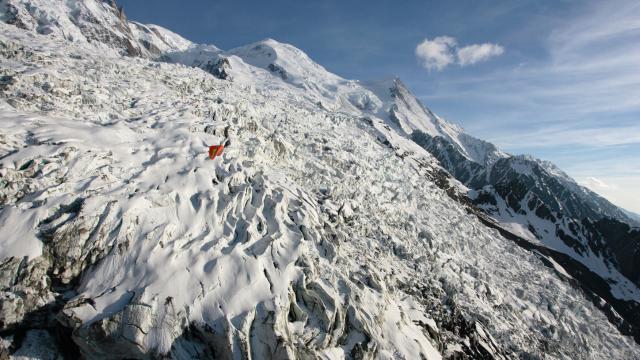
pixel 288 62
pixel 100 23
pixel 322 232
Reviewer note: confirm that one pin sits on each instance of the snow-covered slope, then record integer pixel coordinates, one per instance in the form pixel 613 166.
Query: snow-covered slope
pixel 97 23
pixel 546 205
pixel 632 216
pixel 531 197
pixel 410 116
pixel 323 231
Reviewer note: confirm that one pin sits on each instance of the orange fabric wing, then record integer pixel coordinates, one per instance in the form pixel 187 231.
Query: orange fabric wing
pixel 215 150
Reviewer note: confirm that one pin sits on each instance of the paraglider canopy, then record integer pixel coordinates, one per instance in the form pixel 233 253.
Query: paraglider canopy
pixel 215 150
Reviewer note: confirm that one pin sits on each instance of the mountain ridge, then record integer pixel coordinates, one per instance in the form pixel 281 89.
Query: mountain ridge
pixel 310 237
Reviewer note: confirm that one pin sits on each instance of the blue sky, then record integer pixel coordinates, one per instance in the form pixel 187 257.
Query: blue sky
pixel 556 79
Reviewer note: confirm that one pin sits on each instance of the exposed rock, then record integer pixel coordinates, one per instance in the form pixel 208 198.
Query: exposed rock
pixel 279 71
pixel 219 69
pixel 25 293
pixel 38 344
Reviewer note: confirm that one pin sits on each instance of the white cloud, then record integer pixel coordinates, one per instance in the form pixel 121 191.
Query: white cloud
pixel 573 105
pixel 595 184
pixel 621 191
pixel 443 51
pixel 436 53
pixel 472 54
pixel 589 73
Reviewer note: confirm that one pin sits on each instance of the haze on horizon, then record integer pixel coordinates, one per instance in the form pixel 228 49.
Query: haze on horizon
pixel 557 80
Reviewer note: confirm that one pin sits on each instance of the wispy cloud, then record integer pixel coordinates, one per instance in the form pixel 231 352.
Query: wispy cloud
pixel 585 89
pixel 443 51
pixel 578 93
pixel 595 183
pixel 472 54
pixel 621 191
pixel 569 134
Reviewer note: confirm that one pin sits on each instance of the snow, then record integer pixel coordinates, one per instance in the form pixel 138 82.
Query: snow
pixel 308 231
pixel 411 115
pixel 173 41
pixel 633 216
pixel 517 223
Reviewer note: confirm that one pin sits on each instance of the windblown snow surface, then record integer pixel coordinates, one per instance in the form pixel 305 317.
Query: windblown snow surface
pixel 319 233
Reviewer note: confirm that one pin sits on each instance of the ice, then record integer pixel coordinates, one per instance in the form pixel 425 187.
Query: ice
pixel 320 232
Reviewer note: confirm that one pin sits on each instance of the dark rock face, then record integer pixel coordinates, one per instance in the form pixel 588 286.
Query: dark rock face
pixel 13 17
pixel 468 172
pixel 151 48
pixel 622 242
pixel 24 292
pixel 219 69
pixel 28 308
pixel 278 70
pixel 551 189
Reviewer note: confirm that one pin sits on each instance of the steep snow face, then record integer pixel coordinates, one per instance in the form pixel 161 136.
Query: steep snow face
pixel 158 40
pixel 541 203
pixel 406 112
pixel 97 22
pixel 271 64
pixel 317 234
pixel 409 115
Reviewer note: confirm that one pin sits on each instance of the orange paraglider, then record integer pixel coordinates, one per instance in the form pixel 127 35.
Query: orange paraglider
pixel 215 150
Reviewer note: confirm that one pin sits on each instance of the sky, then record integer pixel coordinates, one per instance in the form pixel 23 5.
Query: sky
pixel 559 80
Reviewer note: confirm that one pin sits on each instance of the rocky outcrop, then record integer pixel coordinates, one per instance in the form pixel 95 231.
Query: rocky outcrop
pixel 279 71
pixel 622 244
pixel 26 293
pixel 220 69
pixel 457 337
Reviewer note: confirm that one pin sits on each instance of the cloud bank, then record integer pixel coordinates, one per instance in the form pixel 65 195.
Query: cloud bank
pixel 443 51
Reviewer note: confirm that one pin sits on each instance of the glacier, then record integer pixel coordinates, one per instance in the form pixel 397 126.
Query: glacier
pixel 326 230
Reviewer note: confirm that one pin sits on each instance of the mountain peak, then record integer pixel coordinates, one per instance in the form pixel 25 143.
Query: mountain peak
pixel 272 42
pixel 270 51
